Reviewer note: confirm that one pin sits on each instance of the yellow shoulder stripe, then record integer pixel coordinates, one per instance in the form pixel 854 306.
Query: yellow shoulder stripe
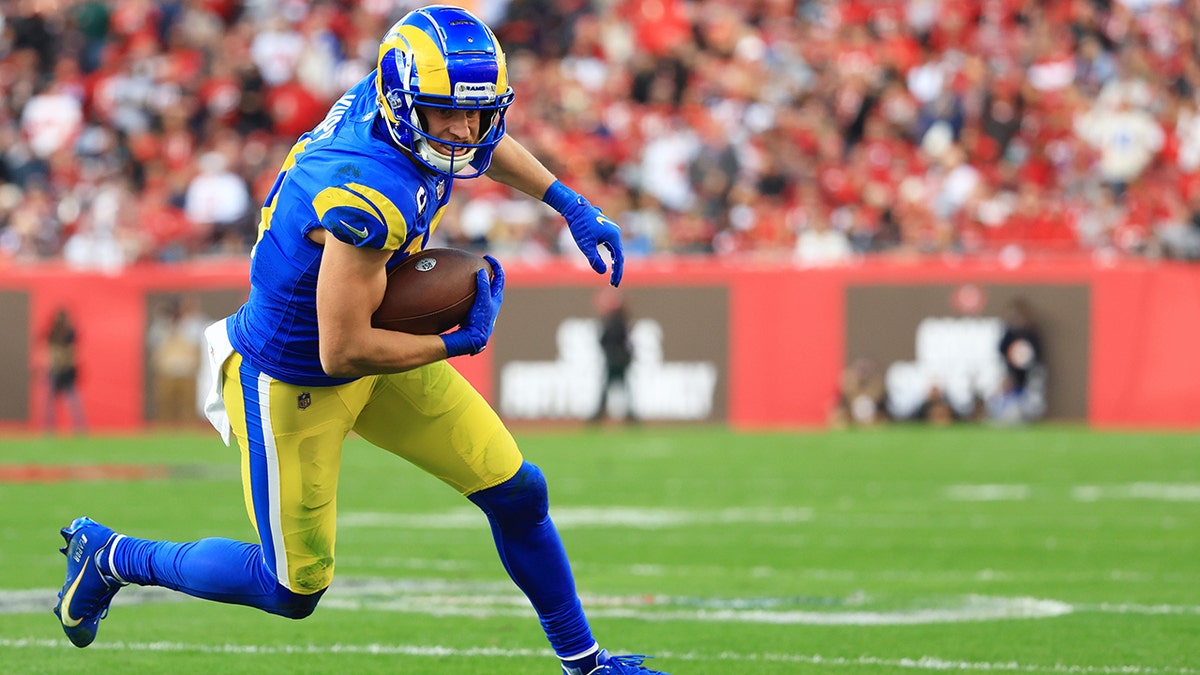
pixel 369 200
pixel 290 160
pixel 268 209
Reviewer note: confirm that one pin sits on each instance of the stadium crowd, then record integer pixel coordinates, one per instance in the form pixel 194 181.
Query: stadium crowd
pixel 812 131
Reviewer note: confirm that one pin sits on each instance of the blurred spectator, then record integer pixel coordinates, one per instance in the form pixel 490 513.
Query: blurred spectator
pixel 52 120
pixel 1178 226
pixel 1104 215
pixel 293 108
pixel 952 182
pixel 1022 394
pixel 666 159
pixel 32 228
pixel 62 372
pixel 819 244
pixel 105 236
pixel 166 233
pixel 862 396
pixel 644 224
pixel 1187 135
pixel 1094 65
pixel 92 19
pixel 936 409
pixel 618 355
pixel 175 338
pixel 276 50
pixel 1127 137
pixel 218 200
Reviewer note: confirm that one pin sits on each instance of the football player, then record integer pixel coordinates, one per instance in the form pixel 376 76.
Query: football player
pixel 299 366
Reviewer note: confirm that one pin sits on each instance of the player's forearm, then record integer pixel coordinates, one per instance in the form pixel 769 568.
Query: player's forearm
pixel 378 351
pixel 514 166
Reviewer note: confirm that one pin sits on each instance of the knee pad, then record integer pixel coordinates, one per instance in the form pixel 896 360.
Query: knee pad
pixel 522 499
pixel 293 605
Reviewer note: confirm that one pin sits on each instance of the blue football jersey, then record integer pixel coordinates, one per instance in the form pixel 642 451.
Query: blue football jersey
pixel 345 176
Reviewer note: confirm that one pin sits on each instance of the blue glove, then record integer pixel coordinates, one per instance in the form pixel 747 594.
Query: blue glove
pixel 590 228
pixel 475 330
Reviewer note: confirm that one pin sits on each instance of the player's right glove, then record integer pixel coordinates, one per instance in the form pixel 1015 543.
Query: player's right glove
pixel 475 330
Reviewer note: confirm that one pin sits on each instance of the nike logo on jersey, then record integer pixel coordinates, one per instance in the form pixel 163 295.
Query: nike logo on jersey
pixel 361 234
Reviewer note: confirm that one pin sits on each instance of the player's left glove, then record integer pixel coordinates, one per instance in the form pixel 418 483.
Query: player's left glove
pixel 590 228
pixel 475 331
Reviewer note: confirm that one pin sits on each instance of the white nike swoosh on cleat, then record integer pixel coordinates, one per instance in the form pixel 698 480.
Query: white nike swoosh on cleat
pixel 67 621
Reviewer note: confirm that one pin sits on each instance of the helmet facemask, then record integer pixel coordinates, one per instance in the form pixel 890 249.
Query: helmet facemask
pixel 490 130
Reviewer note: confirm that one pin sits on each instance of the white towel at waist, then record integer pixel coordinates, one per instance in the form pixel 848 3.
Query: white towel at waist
pixel 219 351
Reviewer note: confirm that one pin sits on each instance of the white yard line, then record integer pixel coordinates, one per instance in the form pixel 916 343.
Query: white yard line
pixel 485 599
pixel 988 493
pixel 366 564
pixel 491 599
pixel 665 608
pixel 1144 491
pixel 932 663
pixel 1161 492
pixel 573 517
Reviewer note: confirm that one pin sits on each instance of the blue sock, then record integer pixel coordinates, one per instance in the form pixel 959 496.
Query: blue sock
pixel 533 555
pixel 223 570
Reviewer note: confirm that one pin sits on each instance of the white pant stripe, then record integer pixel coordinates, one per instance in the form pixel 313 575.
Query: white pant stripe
pixel 272 458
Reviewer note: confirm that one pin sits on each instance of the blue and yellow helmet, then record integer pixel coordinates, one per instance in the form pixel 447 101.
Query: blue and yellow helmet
pixel 443 57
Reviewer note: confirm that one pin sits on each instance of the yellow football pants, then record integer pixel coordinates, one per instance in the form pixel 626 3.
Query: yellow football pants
pixel 291 444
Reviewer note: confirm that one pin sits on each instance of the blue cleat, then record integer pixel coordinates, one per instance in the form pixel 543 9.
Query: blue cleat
pixel 86 591
pixel 607 664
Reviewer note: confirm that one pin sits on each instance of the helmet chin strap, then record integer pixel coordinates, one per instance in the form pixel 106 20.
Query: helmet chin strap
pixel 441 160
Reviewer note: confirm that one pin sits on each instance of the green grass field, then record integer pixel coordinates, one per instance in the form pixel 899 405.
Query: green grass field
pixel 1048 550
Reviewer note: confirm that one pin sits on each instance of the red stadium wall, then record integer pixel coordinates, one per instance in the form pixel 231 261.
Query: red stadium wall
pixel 786 339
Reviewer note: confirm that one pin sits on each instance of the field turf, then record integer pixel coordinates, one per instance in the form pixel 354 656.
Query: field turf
pixel 901 550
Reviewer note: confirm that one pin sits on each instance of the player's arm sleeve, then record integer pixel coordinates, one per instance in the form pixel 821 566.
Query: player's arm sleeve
pixel 362 216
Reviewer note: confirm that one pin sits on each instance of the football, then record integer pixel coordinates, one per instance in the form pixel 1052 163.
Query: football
pixel 430 292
